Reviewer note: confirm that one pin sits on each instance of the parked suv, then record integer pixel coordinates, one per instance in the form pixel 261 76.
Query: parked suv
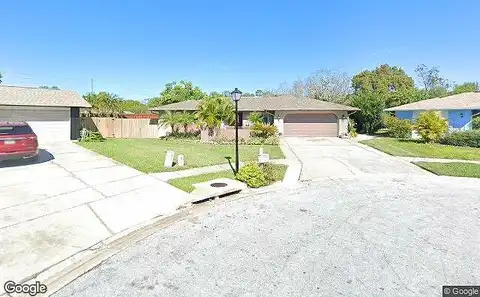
pixel 17 141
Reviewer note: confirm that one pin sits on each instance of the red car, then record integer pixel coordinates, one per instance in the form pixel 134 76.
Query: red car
pixel 17 141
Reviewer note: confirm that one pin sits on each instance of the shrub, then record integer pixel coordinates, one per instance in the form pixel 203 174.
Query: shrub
pixel 271 172
pixel 263 130
pixel 476 122
pixel 90 136
pixel 255 118
pixel 352 128
pixel 430 126
pixel 462 138
pixel 398 128
pixel 252 175
pixel 272 140
pixel 184 135
pixel 254 141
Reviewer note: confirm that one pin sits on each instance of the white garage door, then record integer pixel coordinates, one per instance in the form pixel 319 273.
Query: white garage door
pixel 51 124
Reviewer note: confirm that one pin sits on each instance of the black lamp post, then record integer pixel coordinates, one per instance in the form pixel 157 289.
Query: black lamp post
pixel 236 95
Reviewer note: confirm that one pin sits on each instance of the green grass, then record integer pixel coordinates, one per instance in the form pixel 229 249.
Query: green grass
pixel 186 183
pixel 452 169
pixel 148 155
pixel 410 148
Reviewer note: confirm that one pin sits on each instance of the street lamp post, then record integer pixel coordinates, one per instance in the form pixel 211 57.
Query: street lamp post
pixel 236 95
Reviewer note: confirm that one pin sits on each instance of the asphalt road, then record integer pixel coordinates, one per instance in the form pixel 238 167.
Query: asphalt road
pixel 367 236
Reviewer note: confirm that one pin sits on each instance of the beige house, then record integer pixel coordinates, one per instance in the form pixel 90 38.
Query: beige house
pixel 293 116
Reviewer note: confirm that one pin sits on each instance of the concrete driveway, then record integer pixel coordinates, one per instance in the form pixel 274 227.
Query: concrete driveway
pixel 353 236
pixel 67 202
pixel 335 157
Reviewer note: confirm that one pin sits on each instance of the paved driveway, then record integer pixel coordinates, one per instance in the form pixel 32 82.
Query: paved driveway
pixel 70 200
pixel 354 236
pixel 335 157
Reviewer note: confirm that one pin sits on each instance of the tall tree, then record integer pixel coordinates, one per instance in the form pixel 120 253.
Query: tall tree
pixel 465 87
pixel 258 93
pixel 1 77
pixel 328 85
pixel 133 106
pixel 434 84
pixel 103 103
pixel 177 92
pixel 382 80
pixel 370 117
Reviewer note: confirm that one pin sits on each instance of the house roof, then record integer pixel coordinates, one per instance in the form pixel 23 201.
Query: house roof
pixel 469 100
pixel 27 96
pixel 266 103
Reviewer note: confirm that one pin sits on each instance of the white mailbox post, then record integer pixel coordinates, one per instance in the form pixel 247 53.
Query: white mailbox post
pixel 180 161
pixel 263 158
pixel 169 159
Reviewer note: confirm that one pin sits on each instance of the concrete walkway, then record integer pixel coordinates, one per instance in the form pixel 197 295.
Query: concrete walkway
pixel 68 202
pixel 419 159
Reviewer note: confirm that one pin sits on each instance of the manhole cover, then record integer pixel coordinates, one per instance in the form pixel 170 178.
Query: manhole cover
pixel 218 185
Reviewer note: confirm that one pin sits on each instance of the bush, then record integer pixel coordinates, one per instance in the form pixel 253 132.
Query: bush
pixel 263 130
pixel 272 140
pixel 184 135
pixel 352 128
pixel 90 136
pixel 255 118
pixel 431 126
pixel 398 128
pixel 255 141
pixel 476 122
pixel 252 175
pixel 463 138
pixel 271 172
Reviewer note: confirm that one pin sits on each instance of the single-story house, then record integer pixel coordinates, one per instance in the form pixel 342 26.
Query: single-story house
pixel 293 116
pixel 458 109
pixel 52 114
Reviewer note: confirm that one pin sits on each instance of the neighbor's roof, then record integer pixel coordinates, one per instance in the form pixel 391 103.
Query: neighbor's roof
pixel 460 101
pixel 27 96
pixel 266 103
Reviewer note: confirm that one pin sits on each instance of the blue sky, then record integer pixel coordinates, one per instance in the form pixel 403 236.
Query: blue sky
pixel 133 48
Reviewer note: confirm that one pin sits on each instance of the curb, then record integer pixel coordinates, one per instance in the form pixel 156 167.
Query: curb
pixel 61 274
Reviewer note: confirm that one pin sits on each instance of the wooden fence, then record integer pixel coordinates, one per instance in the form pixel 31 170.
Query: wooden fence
pixel 122 128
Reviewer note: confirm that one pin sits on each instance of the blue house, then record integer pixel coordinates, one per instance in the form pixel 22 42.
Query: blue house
pixel 458 109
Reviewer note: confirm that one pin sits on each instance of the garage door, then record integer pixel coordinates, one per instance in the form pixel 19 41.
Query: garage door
pixel 310 124
pixel 51 124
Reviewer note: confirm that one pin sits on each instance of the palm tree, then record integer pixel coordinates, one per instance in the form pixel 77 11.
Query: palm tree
pixel 104 104
pixel 212 112
pixel 186 118
pixel 255 118
pixel 171 119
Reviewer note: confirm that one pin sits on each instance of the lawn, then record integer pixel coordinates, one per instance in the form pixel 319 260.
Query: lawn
pixel 148 155
pixel 186 183
pixel 410 148
pixel 452 169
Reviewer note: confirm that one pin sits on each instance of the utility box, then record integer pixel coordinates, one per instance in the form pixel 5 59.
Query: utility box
pixel 169 159
pixel 180 161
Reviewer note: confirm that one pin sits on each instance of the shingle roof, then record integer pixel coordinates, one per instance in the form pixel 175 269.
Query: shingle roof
pixel 460 101
pixel 266 103
pixel 26 96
